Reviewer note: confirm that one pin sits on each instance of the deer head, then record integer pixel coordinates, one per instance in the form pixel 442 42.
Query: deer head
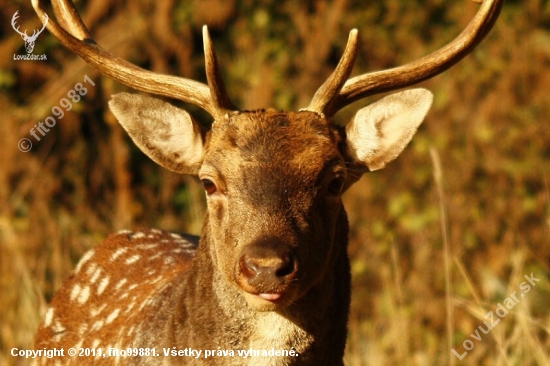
pixel 29 41
pixel 290 202
pixel 273 180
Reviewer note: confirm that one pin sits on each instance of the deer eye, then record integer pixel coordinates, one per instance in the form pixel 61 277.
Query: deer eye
pixel 336 186
pixel 209 186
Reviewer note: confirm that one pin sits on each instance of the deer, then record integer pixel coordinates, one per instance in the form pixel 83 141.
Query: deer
pixel 29 40
pixel 268 280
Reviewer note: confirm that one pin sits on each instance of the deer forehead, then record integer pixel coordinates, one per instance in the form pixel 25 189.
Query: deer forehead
pixel 268 140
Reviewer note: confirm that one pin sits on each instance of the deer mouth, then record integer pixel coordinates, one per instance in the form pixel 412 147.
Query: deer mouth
pixel 266 295
pixel 270 297
pixel 274 294
pixel 267 301
pixel 262 293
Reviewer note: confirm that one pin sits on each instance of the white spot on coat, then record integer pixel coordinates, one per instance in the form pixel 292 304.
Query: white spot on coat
pixel 118 253
pixel 112 316
pixel 83 295
pixel 58 327
pixel 138 235
pixel 48 318
pixel 133 259
pixel 147 246
pixel 96 275
pixel 75 291
pixel 102 285
pixel 97 325
pixel 120 284
pixel 86 257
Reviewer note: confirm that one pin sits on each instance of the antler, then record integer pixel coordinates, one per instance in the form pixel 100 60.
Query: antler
pixel 414 72
pixel 13 21
pixel 74 35
pixel 330 88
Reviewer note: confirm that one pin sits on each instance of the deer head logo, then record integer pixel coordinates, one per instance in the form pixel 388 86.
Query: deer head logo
pixel 29 41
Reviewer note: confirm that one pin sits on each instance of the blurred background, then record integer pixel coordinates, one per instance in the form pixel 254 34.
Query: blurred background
pixel 430 257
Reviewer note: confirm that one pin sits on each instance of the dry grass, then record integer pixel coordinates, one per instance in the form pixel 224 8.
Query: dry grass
pixel 431 257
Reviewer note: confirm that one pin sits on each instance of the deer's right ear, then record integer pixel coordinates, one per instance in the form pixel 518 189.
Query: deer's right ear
pixel 168 135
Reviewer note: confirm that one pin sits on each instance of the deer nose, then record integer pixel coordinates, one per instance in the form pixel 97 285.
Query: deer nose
pixel 257 269
pixel 267 266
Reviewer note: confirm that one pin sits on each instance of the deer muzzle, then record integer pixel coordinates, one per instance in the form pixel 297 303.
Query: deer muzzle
pixel 266 268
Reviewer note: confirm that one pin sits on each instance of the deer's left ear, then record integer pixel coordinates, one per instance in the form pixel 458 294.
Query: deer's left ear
pixel 379 132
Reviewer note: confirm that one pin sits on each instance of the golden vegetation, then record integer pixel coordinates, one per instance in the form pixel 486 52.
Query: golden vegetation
pixel 414 297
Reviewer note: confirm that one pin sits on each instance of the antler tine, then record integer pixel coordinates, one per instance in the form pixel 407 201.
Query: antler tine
pixel 218 93
pixel 414 72
pixel 330 88
pixel 77 38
